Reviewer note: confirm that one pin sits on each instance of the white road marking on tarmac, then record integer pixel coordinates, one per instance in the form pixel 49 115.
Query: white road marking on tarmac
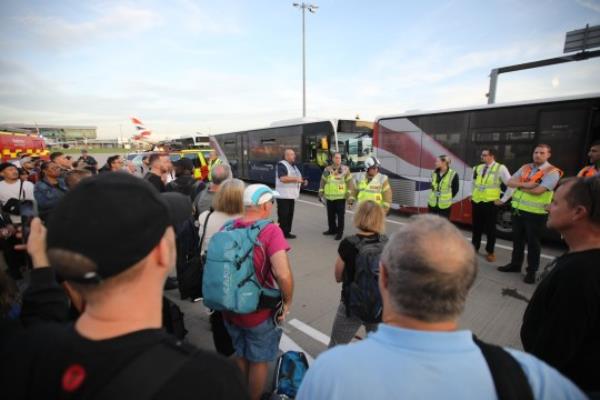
pixel 310 331
pixel 391 221
pixel 287 344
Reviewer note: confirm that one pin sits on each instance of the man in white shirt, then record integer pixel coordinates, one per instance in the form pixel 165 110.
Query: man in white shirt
pixel 13 188
pixel 12 191
pixel 288 180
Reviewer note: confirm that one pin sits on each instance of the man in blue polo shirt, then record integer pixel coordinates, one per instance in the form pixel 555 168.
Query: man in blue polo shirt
pixel 418 351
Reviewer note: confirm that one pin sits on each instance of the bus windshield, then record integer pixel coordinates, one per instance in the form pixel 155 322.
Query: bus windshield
pixel 355 142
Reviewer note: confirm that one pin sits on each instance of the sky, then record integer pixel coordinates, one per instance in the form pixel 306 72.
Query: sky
pixel 186 66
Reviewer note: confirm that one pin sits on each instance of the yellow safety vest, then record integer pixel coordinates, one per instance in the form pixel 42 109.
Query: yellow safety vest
pixel 371 190
pixel 486 188
pixel 336 186
pixel 441 192
pixel 533 203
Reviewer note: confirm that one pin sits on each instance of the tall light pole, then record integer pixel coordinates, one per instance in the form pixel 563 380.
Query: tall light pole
pixel 313 9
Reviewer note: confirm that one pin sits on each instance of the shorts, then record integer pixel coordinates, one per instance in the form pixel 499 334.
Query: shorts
pixel 257 344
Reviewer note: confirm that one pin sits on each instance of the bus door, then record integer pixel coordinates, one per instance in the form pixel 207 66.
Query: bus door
pixel 565 130
pixel 315 157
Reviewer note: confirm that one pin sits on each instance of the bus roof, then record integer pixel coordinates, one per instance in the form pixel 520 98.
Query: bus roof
pixel 489 106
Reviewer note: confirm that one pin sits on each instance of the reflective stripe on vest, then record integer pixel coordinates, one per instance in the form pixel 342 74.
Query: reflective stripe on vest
pixel 486 188
pixel 441 192
pixel 371 190
pixel 335 183
pixel 533 203
pixel 588 171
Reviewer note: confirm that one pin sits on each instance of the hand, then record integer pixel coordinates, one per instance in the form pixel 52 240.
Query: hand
pixel 305 182
pixel 36 244
pixel 498 203
pixel 7 231
pixel 285 311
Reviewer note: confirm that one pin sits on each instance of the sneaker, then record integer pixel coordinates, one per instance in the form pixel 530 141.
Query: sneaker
pixel 529 277
pixel 290 236
pixel 509 268
pixel 328 233
pixel 338 236
pixel 491 257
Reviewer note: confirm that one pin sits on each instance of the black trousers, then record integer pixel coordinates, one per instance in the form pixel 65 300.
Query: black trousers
pixel 484 221
pixel 527 228
pixel 285 214
pixel 441 212
pixel 336 209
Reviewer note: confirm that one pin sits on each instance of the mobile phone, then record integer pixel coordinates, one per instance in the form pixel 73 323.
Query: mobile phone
pixel 28 212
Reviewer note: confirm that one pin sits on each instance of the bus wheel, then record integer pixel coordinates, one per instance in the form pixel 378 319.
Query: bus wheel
pixel 504 222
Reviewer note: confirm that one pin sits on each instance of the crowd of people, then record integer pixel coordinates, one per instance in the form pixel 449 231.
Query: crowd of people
pixel 89 323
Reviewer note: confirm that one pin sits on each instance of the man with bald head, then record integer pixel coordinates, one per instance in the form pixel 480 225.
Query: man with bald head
pixel 418 351
pixel 288 181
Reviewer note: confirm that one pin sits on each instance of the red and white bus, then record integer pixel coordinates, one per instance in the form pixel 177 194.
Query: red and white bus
pixel 408 144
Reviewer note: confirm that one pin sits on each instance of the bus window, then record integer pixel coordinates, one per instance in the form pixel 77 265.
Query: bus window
pixel 355 149
pixel 316 151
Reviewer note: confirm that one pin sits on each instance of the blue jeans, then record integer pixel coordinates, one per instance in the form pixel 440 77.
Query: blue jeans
pixel 256 344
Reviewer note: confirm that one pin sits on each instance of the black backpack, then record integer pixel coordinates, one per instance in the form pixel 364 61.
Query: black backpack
pixel 190 263
pixel 363 299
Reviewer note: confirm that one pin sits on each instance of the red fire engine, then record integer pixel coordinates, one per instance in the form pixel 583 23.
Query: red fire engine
pixel 12 144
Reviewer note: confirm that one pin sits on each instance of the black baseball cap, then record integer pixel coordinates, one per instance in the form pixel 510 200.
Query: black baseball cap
pixel 114 220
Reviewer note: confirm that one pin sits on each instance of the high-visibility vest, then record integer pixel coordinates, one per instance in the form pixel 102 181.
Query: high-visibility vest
pixel 373 189
pixel 211 165
pixel 588 171
pixel 336 186
pixel 486 187
pixel 288 190
pixel 533 203
pixel 441 192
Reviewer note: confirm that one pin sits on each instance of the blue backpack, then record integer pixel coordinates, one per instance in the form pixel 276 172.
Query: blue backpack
pixel 289 372
pixel 229 282
pixel 363 299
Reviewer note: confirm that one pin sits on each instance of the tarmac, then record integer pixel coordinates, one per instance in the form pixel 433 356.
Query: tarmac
pixel 494 308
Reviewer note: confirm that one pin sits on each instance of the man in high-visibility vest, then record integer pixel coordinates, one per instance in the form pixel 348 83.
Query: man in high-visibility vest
pixel 594 168
pixel 213 161
pixel 485 200
pixel 534 187
pixel 336 186
pixel 372 185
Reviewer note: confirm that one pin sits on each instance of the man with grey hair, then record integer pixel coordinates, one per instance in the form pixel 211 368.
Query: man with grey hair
pixel 418 351
pixel 203 201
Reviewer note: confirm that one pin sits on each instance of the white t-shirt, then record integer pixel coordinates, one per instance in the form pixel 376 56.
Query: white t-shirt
pixel 11 191
pixel 215 222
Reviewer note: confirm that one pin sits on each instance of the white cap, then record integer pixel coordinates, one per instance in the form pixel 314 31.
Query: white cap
pixel 257 194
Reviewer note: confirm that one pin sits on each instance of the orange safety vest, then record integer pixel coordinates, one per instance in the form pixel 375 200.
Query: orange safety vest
pixel 588 171
pixel 538 175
